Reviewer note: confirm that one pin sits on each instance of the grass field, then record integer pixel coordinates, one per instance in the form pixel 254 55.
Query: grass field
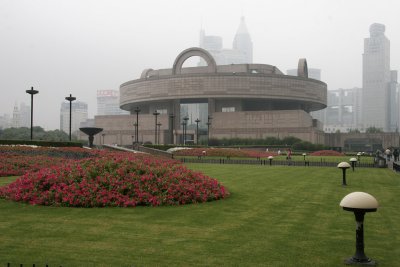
pixel 275 216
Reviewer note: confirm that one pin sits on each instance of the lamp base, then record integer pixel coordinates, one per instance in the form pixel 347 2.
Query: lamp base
pixel 354 261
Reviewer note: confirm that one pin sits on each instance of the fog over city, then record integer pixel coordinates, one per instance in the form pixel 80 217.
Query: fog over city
pixel 63 47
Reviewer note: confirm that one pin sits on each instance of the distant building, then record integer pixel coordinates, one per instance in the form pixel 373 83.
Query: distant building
pixel 379 91
pixel 79 115
pixel 21 116
pixel 5 121
pixel 24 115
pixel 16 117
pixel 241 52
pixel 108 103
pixel 341 113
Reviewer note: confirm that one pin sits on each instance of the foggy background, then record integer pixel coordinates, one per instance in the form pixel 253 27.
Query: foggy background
pixel 73 46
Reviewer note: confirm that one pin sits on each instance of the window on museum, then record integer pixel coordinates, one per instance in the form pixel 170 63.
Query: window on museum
pixel 228 109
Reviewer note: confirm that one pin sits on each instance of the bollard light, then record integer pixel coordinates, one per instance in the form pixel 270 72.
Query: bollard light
pixel 359 203
pixel 353 163
pixel 304 156
pixel 344 166
pixel 270 160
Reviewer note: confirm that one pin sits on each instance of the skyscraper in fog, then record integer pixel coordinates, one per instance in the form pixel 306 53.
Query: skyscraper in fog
pixel 79 114
pixel 376 104
pixel 108 103
pixel 242 48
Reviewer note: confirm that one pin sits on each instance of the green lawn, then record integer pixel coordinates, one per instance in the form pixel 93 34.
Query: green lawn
pixel 275 216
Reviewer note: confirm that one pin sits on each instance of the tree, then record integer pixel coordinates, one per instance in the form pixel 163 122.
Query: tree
pixel 23 133
pixel 373 129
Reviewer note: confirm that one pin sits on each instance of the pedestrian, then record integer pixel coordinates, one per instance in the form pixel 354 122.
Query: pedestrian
pixel 289 154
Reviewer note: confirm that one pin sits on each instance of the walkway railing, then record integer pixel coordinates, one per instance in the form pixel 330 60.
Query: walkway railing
pixel 267 162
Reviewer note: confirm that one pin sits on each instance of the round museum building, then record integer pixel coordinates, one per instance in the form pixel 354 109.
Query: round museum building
pixel 225 101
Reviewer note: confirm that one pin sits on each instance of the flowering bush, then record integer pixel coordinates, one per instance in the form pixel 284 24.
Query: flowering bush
pixel 326 153
pixel 17 160
pixel 114 179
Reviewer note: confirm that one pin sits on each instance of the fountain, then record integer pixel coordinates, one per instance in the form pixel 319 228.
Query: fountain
pixel 91 132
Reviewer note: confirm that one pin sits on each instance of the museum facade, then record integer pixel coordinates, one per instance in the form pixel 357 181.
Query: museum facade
pixel 242 101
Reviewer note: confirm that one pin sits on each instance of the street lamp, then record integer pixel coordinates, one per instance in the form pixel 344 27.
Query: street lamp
pixel 359 203
pixel 209 118
pixel 171 117
pixel 197 130
pixel 155 113
pixel 344 166
pixel 185 130
pixel 70 98
pixel 158 136
pixel 32 92
pixel 137 111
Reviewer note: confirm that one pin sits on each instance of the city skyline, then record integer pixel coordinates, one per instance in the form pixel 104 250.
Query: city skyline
pixel 80 52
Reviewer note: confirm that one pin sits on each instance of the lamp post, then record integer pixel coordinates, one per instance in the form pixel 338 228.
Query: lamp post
pixel 183 132
pixel 344 166
pixel 197 130
pixel 304 156
pixel 32 92
pixel 155 113
pixel 158 136
pixel 171 117
pixel 137 111
pixel 185 129
pixel 359 203
pixel 209 118
pixel 353 163
pixel 70 98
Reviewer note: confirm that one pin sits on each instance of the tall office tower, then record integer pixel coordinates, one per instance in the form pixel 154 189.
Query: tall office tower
pixel 16 117
pixel 108 103
pixel 393 106
pixel 241 53
pixel 24 115
pixel 243 43
pixel 376 104
pixel 79 114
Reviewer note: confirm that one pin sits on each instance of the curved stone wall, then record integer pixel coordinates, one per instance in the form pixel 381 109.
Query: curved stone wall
pixel 308 92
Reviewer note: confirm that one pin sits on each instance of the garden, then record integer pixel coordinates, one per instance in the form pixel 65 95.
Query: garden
pixel 264 216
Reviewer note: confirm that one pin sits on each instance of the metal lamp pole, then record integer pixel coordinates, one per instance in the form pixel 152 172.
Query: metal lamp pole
pixel 32 92
pixel 158 133
pixel 70 98
pixel 197 130
pixel 155 113
pixel 137 111
pixel 208 129
pixel 185 129
pixel 171 117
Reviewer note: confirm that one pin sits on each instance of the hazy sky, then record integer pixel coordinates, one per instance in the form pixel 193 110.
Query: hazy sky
pixel 81 46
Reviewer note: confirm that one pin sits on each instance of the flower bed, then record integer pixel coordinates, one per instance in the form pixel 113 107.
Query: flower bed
pixel 114 179
pixel 17 160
